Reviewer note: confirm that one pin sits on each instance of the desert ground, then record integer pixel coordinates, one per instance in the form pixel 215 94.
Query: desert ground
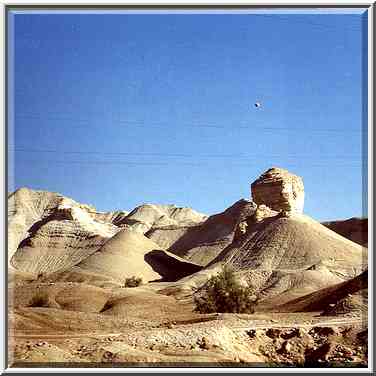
pixel 69 305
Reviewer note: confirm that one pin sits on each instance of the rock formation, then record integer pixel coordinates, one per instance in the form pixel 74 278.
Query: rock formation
pixel 201 243
pixel 281 251
pixel 61 239
pixel 29 211
pixel 288 256
pixel 279 190
pixel 148 216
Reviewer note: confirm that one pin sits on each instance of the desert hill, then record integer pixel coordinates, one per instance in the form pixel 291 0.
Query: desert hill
pixel 114 217
pixel 68 264
pixel 280 252
pixel 201 243
pixel 329 298
pixel 130 253
pixel 148 216
pixel 286 257
pixel 49 232
pixel 354 229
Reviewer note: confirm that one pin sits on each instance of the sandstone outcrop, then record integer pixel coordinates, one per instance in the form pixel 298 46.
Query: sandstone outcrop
pixel 279 190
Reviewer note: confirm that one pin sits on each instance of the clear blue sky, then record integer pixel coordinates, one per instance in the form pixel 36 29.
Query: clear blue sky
pixel 117 110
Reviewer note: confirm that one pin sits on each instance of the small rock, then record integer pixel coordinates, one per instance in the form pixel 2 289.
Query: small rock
pixel 204 344
pixel 251 333
pixel 273 333
pixel 108 355
pixel 286 347
pixel 324 331
pixel 290 333
pixel 320 353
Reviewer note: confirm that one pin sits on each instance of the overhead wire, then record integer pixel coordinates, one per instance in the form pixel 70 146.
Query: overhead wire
pixel 198 125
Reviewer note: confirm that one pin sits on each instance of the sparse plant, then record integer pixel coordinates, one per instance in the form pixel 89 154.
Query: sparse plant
pixel 223 293
pixel 41 276
pixel 40 299
pixel 132 282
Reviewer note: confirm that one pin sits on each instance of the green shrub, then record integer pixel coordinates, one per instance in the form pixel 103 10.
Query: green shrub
pixel 132 282
pixel 223 293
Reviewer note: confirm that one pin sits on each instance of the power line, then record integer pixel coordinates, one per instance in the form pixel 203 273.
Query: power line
pixel 154 124
pixel 198 164
pixel 307 22
pixel 180 155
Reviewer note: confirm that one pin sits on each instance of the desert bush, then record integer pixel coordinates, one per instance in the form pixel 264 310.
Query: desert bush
pixel 40 299
pixel 223 293
pixel 132 282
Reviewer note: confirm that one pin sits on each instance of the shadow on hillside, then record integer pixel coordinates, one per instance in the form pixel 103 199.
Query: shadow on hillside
pixel 59 216
pixel 170 268
pixel 217 229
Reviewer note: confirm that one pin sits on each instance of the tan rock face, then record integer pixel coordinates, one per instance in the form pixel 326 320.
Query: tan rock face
pixel 279 190
pixel 263 212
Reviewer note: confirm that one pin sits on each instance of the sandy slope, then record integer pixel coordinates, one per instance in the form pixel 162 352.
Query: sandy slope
pixel 202 243
pixel 285 258
pixel 130 253
pixel 354 229
pixel 322 299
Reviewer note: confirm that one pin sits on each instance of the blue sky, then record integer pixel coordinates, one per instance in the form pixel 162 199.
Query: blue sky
pixel 117 110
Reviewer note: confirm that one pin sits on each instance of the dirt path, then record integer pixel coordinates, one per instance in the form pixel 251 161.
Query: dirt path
pixel 295 325
pixel 240 328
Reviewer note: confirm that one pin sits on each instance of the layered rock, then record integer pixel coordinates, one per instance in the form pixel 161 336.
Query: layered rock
pixel 115 217
pixel 201 243
pixel 148 216
pixel 279 190
pixel 55 244
pixel 27 207
pixel 49 232
pixel 285 257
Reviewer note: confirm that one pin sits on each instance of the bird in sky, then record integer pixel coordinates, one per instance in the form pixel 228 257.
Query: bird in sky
pixel 258 104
